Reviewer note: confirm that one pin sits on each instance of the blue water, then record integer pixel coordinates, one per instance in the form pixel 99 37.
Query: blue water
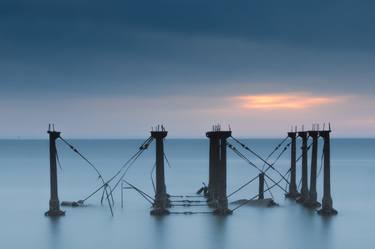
pixel 24 195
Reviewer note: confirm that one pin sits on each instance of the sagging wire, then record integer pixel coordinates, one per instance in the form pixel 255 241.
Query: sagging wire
pixel 253 165
pixel 96 170
pixel 142 147
pixel 142 193
pixel 259 157
pixel 276 149
pixel 278 157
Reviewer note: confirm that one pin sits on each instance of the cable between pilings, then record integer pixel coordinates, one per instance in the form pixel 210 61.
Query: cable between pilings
pixel 143 147
pixel 259 157
pixel 256 196
pixel 253 165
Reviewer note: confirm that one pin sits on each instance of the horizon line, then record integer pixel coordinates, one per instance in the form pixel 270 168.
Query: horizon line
pixel 170 138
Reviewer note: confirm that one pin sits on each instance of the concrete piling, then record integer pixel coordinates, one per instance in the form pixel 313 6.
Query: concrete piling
pixel 327 207
pixel 293 192
pixel 213 169
pixel 261 187
pixel 304 196
pixel 217 189
pixel 162 202
pixel 312 200
pixel 222 200
pixel 54 203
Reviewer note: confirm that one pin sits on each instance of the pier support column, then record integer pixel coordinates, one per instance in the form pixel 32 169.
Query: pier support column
pixel 222 200
pixel 304 188
pixel 161 202
pixel 293 192
pixel 327 208
pixel 213 169
pixel 54 203
pixel 312 201
pixel 261 187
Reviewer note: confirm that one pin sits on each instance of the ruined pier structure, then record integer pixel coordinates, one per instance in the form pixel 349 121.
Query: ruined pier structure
pixel 217 187
pixel 309 197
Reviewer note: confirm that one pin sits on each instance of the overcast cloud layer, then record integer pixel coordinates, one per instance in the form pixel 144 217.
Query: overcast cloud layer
pixel 192 49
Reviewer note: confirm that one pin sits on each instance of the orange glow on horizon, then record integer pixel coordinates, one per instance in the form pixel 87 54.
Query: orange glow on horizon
pixel 284 101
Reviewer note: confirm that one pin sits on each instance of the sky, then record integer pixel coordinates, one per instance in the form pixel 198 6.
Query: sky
pixel 113 69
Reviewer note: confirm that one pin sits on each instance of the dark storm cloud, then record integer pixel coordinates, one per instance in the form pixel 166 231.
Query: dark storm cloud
pixel 134 47
pixel 322 23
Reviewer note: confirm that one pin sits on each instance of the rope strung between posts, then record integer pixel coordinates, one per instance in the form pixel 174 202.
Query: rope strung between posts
pixel 95 169
pixel 259 157
pixel 256 196
pixel 143 147
pixel 276 149
pixel 253 165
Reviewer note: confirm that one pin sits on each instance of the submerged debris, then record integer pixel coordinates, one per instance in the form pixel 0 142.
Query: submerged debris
pixel 71 204
pixel 259 203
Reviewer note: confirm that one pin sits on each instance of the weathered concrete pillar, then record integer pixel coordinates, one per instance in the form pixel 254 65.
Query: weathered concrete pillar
pixel 213 168
pixel 327 208
pixel 312 201
pixel 222 200
pixel 54 203
pixel 293 192
pixel 261 186
pixel 304 189
pixel 161 202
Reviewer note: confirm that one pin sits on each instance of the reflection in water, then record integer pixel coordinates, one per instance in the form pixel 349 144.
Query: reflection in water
pixel 326 231
pixel 54 231
pixel 219 232
pixel 160 234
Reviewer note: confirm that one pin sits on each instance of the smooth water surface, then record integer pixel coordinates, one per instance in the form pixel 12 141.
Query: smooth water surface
pixel 24 195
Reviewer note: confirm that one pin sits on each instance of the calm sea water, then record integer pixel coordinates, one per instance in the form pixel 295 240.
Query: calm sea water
pixel 24 195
